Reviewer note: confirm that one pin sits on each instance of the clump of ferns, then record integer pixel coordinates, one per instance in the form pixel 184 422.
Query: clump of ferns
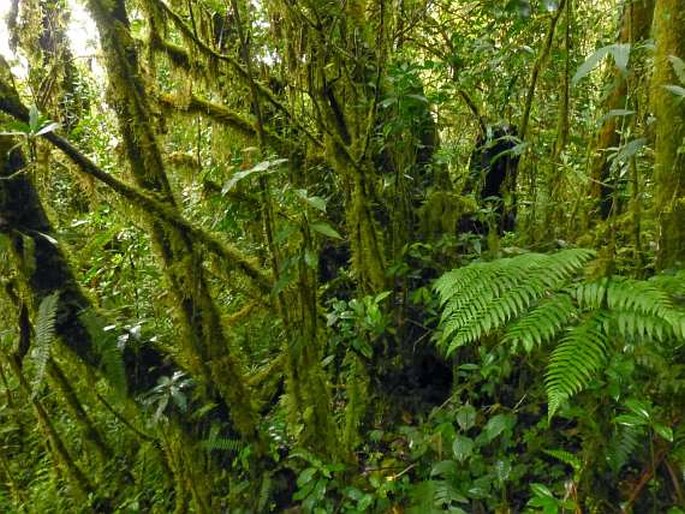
pixel 532 300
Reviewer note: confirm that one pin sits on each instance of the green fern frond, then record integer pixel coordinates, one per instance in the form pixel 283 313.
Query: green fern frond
pixel 637 326
pixel 591 295
pixel 639 309
pixel 623 445
pixel 638 296
pixel 567 458
pixel 576 360
pixel 223 444
pixel 672 283
pixel 45 336
pixel 541 324
pixel 483 297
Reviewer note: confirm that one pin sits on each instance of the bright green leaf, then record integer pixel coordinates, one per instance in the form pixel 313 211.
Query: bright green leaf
pixel 462 448
pixel 325 229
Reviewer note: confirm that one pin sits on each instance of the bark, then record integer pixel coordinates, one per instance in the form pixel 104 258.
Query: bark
pixel 669 109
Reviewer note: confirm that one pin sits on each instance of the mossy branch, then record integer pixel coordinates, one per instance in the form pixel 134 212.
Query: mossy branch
pixel 10 104
pixel 220 114
pixel 182 58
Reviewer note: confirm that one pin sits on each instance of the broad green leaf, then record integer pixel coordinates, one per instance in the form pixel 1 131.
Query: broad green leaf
pixel 678 67
pixel 466 417
pixel 462 448
pixel 639 408
pixel 264 166
pixel 444 469
pixel 497 424
pixel 541 490
pixel 325 229
pixel 620 53
pixel 615 113
pixel 420 98
pixel 664 432
pixel 306 476
pixel 628 150
pixel 315 201
pixel 34 117
pixel 676 90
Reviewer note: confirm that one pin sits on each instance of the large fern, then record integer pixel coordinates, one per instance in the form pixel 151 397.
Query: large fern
pixel 533 299
pixel 484 297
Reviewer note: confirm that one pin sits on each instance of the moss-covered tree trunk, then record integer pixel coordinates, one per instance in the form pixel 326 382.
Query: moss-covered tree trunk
pixel 669 109
pixel 43 270
pixel 636 23
pixel 203 340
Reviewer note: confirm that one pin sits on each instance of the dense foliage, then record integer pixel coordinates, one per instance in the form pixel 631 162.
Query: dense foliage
pixel 342 256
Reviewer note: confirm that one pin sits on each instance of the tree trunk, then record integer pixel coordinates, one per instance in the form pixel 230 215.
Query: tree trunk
pixel 44 270
pixel 635 28
pixel 203 340
pixel 669 109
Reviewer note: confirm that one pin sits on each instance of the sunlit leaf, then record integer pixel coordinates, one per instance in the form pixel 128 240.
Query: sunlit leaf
pixel 326 230
pixel 620 53
pixel 676 90
pixel 462 448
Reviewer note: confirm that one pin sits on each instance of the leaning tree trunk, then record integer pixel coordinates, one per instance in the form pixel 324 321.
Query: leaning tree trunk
pixel 669 109
pixel 204 341
pixel 44 271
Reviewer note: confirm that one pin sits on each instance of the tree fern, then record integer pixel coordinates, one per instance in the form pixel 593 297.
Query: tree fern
pixel 483 297
pixel 542 324
pixel 534 298
pixel 574 362
pixel 45 336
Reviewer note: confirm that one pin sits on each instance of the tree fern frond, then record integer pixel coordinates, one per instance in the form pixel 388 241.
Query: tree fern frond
pixel 45 335
pixel 483 297
pixel 638 296
pixel 488 314
pixel 574 362
pixel 637 326
pixel 672 283
pixel 541 324
pixel 591 295
pixel 223 444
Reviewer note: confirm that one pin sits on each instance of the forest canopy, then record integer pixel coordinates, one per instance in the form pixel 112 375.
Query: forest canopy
pixel 342 256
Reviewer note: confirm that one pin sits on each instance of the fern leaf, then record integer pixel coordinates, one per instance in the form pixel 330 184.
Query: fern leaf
pixel 638 296
pixel 576 360
pixel 223 444
pixel 623 445
pixel 567 458
pixel 591 295
pixel 542 324
pixel 45 336
pixel 635 326
pixel 483 297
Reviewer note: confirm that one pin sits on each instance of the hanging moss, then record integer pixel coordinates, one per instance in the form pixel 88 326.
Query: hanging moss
pixel 442 211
